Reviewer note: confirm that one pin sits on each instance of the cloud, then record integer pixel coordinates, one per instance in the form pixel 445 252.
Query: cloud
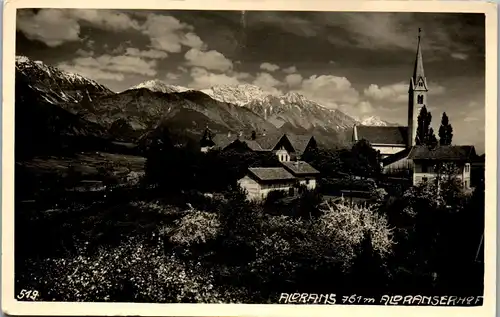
pixel 105 19
pixel 329 90
pixel 460 56
pixel 397 92
pixel 290 70
pixel 172 76
pixel 115 64
pixel 91 72
pixel 168 34
pixel 293 80
pixel 269 67
pixel 50 26
pixel 84 53
pixel 202 79
pixel 153 54
pixel 211 60
pixel 394 92
pixel 364 107
pixel 471 119
pixel 57 26
pixel 267 82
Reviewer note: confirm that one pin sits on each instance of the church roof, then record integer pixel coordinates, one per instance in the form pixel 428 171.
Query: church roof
pixel 443 152
pixel 270 173
pixel 383 135
pixel 418 71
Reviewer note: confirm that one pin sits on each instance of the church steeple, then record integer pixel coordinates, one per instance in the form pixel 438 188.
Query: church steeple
pixel 418 71
pixel 417 93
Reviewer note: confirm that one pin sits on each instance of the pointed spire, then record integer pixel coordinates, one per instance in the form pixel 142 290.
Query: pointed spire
pixel 419 63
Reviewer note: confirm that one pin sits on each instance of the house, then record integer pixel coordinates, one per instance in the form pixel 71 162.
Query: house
pixel 286 147
pixel 398 163
pixel 259 181
pixel 390 140
pixel 428 162
pixel 304 173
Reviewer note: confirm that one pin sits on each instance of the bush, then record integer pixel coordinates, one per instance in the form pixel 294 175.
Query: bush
pixel 195 228
pixel 133 272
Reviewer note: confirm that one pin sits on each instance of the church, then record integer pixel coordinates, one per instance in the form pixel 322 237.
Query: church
pixel 393 140
pixel 398 146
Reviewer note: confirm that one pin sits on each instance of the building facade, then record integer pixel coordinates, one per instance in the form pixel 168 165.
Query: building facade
pixel 443 162
pixel 260 181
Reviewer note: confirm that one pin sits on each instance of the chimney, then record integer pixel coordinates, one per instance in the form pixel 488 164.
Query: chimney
pixel 229 134
pixel 241 134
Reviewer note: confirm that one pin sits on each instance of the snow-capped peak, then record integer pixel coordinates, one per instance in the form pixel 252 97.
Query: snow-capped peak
pixel 374 121
pixel 159 86
pixel 240 95
pixel 22 59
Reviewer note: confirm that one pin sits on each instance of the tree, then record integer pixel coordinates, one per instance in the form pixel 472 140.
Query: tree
pixel 445 131
pixel 365 159
pixel 425 134
pixel 207 138
pixel 431 138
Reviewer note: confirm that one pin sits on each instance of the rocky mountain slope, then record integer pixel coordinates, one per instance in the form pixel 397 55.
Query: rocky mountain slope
pixel 291 112
pixel 42 124
pixel 92 109
pixel 55 86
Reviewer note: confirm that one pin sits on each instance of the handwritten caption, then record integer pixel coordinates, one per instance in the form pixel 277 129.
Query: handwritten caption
pixel 393 300
pixel 28 295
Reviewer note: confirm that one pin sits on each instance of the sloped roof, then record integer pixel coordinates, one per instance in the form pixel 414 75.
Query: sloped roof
pixel 299 142
pixel 268 142
pixel 443 152
pixel 253 145
pixel 271 173
pixel 300 168
pixel 383 135
pixel 396 157
pixel 223 140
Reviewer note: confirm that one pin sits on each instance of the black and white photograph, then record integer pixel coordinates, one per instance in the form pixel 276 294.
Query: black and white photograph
pixel 272 157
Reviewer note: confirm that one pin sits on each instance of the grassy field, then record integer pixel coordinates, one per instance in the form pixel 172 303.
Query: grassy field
pixel 86 163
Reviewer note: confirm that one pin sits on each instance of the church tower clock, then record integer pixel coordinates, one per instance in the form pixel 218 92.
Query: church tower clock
pixel 417 94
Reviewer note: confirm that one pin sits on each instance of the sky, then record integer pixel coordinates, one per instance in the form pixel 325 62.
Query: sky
pixel 357 62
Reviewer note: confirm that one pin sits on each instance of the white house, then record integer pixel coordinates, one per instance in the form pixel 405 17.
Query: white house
pixel 304 173
pixel 259 181
pixel 428 162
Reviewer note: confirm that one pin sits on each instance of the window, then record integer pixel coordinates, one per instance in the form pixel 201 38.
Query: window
pixel 420 99
pixel 421 84
pixel 307 182
pixel 424 179
pixel 466 184
pixel 424 168
pixel 467 168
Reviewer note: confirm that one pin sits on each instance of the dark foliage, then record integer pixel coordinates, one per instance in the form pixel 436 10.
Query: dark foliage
pixel 445 131
pixel 425 133
pixel 181 168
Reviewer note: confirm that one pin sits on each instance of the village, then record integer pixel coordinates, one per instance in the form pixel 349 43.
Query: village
pixel 217 213
pixel 400 150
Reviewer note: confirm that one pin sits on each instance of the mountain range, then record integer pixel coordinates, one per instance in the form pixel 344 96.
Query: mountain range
pixel 69 105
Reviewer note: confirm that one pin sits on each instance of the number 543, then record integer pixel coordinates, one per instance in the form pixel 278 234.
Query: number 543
pixel 28 295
